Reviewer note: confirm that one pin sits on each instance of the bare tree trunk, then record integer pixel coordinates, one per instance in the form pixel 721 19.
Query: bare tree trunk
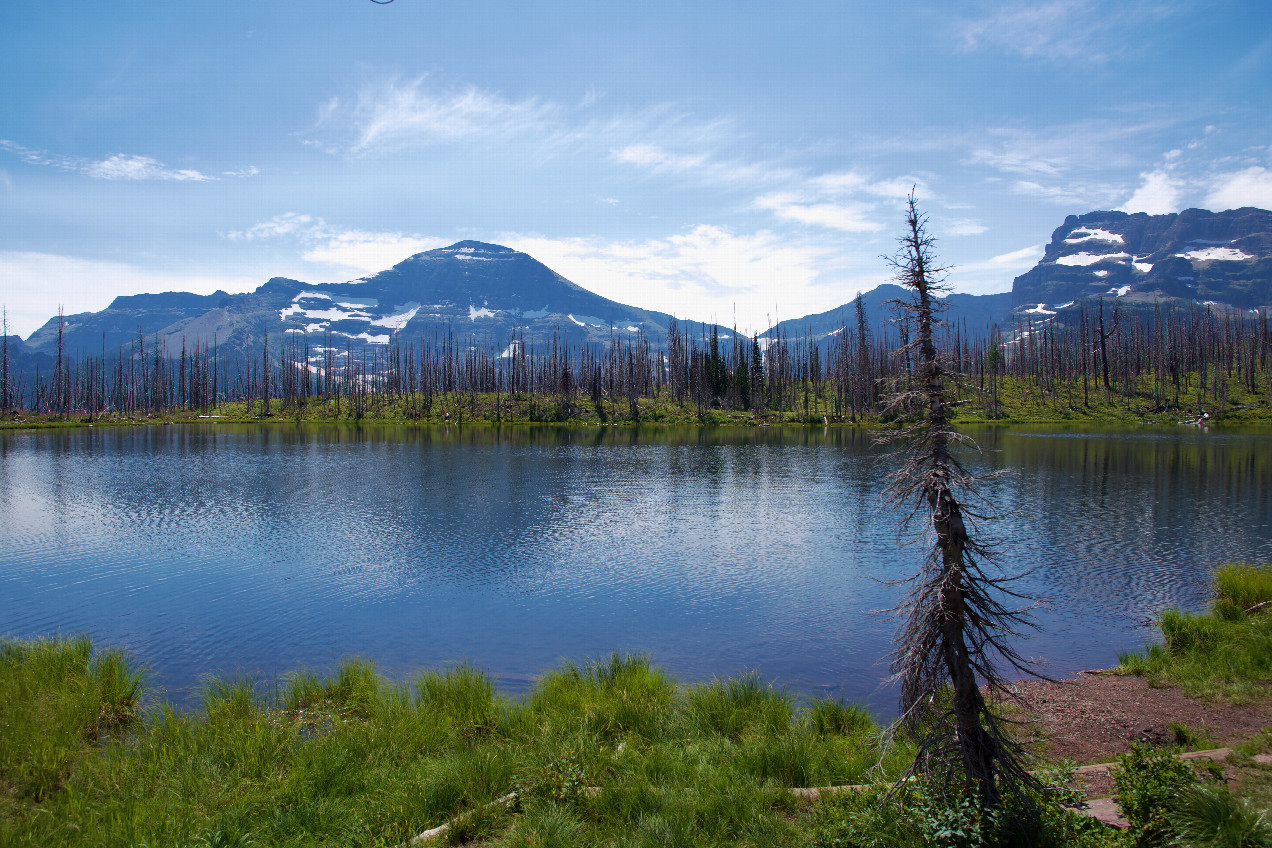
pixel 954 623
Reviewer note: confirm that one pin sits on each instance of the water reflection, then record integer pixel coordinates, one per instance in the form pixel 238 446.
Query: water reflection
pixel 237 547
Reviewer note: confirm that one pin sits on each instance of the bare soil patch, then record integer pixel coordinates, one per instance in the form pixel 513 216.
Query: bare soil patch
pixel 1094 717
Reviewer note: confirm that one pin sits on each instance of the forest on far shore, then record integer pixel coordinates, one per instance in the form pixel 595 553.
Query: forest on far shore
pixel 1102 362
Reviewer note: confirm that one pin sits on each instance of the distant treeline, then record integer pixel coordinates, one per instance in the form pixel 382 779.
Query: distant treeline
pixel 1157 357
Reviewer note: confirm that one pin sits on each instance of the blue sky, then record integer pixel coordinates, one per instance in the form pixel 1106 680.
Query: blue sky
pixel 715 160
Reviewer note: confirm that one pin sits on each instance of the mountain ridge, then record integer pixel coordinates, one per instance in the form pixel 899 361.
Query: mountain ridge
pixel 487 294
pixel 1209 258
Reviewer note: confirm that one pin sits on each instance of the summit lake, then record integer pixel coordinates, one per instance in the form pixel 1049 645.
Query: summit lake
pixel 258 550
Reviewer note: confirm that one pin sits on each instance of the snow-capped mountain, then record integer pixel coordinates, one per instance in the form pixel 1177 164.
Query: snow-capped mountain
pixel 479 293
pixel 1219 259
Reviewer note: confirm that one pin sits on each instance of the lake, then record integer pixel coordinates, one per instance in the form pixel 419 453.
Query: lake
pixel 258 550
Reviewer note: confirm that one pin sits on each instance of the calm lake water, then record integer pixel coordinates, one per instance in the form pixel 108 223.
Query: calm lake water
pixel 259 550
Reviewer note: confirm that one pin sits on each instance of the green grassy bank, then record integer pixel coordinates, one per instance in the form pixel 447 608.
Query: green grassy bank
pixel 355 759
pixel 1224 651
pixel 608 753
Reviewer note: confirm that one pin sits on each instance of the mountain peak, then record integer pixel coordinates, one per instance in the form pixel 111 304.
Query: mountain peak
pixel 470 246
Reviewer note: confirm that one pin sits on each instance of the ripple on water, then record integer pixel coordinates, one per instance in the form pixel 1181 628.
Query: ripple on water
pixel 263 551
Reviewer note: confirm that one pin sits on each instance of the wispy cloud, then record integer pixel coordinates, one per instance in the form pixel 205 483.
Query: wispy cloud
pixel 962 227
pixel 288 223
pixel 398 114
pixel 658 159
pixel 996 273
pixel 352 252
pixel 1061 31
pixel 121 166
pixel 791 206
pixel 125 167
pixel 848 201
pixel 1079 165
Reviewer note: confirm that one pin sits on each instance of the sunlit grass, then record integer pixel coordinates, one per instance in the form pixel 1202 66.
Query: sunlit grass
pixel 1226 650
pixel 611 752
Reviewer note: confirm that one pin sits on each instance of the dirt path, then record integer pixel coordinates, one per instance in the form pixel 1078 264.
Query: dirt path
pixel 1094 717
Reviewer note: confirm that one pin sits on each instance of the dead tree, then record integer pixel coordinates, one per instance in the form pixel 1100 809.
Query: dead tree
pixel 954 643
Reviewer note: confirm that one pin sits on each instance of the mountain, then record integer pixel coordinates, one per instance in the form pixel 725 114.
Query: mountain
pixel 1219 259
pixel 978 312
pixel 480 293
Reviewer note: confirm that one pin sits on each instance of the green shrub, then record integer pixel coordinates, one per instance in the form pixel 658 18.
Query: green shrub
pixel 1147 783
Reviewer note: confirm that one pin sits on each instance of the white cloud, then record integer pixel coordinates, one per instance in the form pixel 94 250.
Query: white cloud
pixel 1063 31
pixel 657 158
pixel 996 273
pixel 1017 158
pixel 1047 30
pixel 1250 187
pixel 398 114
pixel 121 166
pixel 963 227
pixel 845 201
pixel 1078 165
pixel 1074 195
pixel 36 284
pixel 359 253
pixel 289 223
pixel 125 167
pixel 703 274
pixel 791 207
pixel 353 253
pixel 1159 193
pixel 1026 257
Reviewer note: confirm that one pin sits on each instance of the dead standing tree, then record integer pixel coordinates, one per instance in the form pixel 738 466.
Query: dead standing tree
pixel 956 625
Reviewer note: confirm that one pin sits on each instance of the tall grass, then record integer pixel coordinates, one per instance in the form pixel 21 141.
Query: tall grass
pixel 1226 650
pixel 610 752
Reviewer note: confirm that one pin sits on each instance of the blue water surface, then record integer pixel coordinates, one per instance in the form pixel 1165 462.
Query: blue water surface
pixel 231 549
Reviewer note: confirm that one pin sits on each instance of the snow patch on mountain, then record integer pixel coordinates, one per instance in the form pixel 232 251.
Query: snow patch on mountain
pixel 1081 259
pixel 1219 254
pixel 1084 234
pixel 401 319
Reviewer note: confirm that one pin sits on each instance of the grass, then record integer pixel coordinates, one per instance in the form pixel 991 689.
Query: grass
pixel 355 759
pixel 1224 651
pixel 614 752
